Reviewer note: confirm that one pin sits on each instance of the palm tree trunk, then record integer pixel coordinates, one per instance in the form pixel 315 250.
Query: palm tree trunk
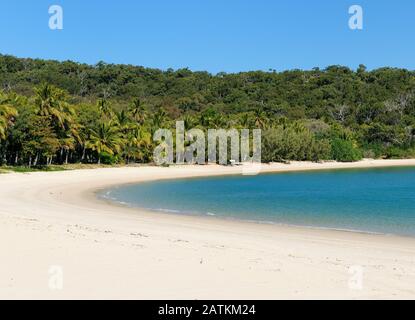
pixel 83 154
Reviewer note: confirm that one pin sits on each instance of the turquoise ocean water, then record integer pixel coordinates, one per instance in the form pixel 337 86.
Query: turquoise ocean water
pixel 375 200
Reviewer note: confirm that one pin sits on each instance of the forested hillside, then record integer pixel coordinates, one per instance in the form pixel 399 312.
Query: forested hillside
pixel 58 112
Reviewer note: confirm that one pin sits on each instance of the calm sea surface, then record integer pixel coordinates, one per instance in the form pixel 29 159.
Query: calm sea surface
pixel 375 200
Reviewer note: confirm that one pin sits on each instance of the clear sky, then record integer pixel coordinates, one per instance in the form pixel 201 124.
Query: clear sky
pixel 213 35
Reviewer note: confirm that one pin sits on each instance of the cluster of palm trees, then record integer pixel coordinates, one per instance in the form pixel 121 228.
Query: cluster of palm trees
pixel 120 133
pixel 51 130
pixel 114 138
pixel 47 128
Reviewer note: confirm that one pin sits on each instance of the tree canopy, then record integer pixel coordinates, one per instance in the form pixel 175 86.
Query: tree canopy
pixel 63 112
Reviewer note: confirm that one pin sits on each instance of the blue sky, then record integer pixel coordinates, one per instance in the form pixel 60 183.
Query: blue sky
pixel 213 35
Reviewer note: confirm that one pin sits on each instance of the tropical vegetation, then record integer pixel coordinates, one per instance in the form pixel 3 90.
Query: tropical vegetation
pixel 65 112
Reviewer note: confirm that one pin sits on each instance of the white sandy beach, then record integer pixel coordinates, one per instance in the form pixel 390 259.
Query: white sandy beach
pixel 108 251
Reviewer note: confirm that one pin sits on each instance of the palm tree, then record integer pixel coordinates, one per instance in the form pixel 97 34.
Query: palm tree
pixel 244 121
pixel 138 111
pixel 189 122
pixel 67 145
pixel 218 122
pixel 135 144
pixel 126 130
pixel 106 138
pixel 105 108
pixel 49 102
pixel 70 133
pixel 211 119
pixel 123 121
pixel 159 119
pixel 260 118
pixel 7 113
pixel 145 146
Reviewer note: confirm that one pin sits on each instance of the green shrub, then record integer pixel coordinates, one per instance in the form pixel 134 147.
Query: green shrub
pixel 295 143
pixel 320 150
pixel 369 154
pixel 345 151
pixel 107 158
pixel 373 150
pixel 399 153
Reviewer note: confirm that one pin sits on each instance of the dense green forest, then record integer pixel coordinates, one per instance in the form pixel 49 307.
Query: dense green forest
pixel 66 112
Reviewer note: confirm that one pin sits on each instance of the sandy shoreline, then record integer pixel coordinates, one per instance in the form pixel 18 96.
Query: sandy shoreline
pixel 108 251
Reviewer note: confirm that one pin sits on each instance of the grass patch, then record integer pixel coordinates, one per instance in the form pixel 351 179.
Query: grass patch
pixel 54 168
pixel 23 169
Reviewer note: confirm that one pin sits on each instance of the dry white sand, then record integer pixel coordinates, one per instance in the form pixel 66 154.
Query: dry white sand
pixel 106 251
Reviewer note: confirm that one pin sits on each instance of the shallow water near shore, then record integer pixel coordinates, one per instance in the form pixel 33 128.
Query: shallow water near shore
pixel 369 200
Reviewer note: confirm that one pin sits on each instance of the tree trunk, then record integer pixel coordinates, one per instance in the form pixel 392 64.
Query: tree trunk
pixel 36 160
pixel 16 159
pixel 83 154
pixel 30 161
pixel 66 158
